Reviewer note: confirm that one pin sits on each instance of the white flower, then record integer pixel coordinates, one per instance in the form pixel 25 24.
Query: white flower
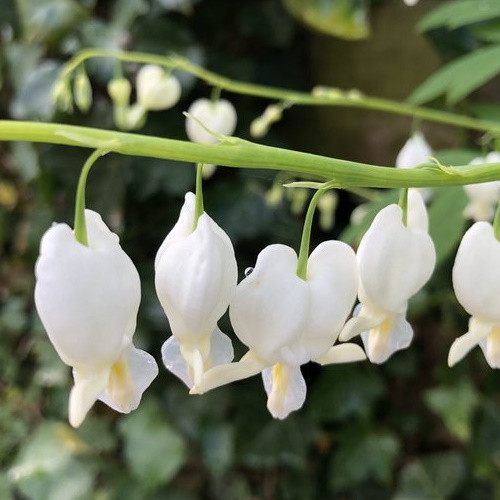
pixel 411 3
pixel 483 197
pixel 196 275
pixel 155 89
pixel 287 321
pixel 476 280
pixel 87 298
pixel 415 152
pixel 395 261
pixel 219 117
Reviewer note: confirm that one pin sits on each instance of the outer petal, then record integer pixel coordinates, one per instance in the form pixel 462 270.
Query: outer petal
pixel 89 383
pixel 286 389
pixel 130 376
pixel 417 213
pixel 155 89
pixel 332 278
pixel 476 273
pixel 219 117
pixel 415 151
pixel 478 331
pixel 342 353
pixel 195 280
pixel 394 261
pixel 87 297
pixel 270 307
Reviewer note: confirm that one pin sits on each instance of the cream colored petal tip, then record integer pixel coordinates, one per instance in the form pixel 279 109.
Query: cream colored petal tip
pixel 342 353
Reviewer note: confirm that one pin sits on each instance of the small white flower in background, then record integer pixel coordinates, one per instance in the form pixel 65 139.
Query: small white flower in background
pixel 286 321
pixel 157 90
pixel 196 276
pixel 415 151
pixel 87 298
pixel 476 281
pixel 395 261
pixel 483 197
pixel 411 3
pixel 219 117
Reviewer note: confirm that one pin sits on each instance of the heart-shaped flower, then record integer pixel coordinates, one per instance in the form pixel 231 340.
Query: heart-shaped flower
pixel 87 298
pixel 196 275
pixel 157 90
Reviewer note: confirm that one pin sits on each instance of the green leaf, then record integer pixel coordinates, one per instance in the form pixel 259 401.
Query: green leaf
pixel 435 477
pixel 218 448
pixel 363 455
pixel 488 32
pixel 455 405
pixel 459 78
pixel 154 450
pixel 343 18
pixel 342 392
pixel 459 13
pixel 49 20
pixel 47 468
pixel 446 222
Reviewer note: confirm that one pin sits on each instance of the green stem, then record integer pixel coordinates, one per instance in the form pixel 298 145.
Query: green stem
pixel 306 236
pixel 324 98
pixel 496 223
pixel 199 209
pixel 215 96
pixel 80 225
pixel 403 203
pixel 235 152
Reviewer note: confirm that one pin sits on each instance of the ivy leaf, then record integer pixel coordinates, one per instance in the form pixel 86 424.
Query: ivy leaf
pixel 154 450
pixel 436 476
pixel 455 405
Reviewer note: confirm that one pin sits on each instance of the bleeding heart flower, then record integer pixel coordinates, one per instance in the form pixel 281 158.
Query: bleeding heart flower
pixel 483 197
pixel 287 321
pixel 196 275
pixel 156 90
pixel 87 298
pixel 395 261
pixel 476 280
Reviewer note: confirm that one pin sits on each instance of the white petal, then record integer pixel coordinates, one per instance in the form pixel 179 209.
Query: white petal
pixel 415 151
pixel 195 280
pixel 221 352
pixel 130 376
pixel 219 375
pixel 394 261
pixel 182 228
pixel 219 117
pixel 89 384
pixel 417 213
pixel 174 361
pixel 476 273
pixel 342 353
pixel 87 297
pixel 208 170
pixel 332 278
pixel 286 389
pixel 269 309
pixel 155 89
pixel 491 347
pixel 364 318
pixel 382 341
pixel 478 331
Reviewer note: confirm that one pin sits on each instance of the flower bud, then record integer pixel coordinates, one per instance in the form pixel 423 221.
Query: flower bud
pixel 119 89
pixel 155 89
pixel 61 94
pixel 83 91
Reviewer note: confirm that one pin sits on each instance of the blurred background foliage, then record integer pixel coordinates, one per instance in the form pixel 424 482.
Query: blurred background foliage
pixel 410 429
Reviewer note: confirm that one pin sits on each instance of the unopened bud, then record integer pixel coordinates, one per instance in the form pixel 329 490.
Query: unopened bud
pixel 119 89
pixel 83 91
pixel 299 198
pixel 326 207
pixel 61 94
